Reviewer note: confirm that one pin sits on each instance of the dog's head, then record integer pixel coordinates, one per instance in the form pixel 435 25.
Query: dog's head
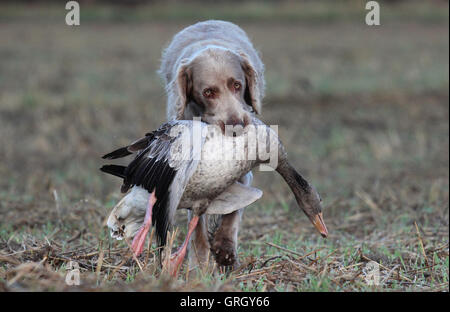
pixel 219 86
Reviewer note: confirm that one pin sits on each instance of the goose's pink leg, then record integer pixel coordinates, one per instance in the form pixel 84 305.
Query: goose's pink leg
pixel 177 258
pixel 138 242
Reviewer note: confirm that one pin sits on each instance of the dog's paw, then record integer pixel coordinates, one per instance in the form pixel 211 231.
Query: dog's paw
pixel 224 251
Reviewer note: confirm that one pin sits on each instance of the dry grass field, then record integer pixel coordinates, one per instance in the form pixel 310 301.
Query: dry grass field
pixel 363 112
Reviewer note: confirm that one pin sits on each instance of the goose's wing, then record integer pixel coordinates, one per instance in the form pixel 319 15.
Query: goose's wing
pixel 235 197
pixel 166 159
pixel 140 144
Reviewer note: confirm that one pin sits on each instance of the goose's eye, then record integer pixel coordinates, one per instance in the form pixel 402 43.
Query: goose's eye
pixel 208 93
pixel 237 85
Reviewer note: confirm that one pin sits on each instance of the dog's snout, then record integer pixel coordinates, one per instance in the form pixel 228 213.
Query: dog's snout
pixel 234 126
pixel 235 121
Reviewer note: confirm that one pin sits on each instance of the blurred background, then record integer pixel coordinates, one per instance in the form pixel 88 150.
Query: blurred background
pixel 362 110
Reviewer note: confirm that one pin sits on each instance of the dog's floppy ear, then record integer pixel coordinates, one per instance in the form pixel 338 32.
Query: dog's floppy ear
pixel 183 87
pixel 252 93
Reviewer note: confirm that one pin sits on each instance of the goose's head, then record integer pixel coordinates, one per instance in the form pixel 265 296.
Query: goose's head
pixel 311 204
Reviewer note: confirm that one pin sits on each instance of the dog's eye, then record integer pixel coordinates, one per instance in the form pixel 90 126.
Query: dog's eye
pixel 208 93
pixel 237 85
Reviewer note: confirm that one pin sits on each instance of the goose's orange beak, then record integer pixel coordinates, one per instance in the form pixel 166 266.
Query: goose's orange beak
pixel 320 225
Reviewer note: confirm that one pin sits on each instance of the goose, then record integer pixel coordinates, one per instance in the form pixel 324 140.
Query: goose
pixel 186 164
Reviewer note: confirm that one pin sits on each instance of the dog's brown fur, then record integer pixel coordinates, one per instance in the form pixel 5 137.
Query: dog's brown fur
pixel 212 71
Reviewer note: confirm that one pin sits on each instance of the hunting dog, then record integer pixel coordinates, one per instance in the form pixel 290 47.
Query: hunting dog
pixel 211 70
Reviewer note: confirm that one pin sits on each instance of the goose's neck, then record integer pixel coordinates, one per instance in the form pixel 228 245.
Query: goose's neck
pixel 306 196
pixel 296 182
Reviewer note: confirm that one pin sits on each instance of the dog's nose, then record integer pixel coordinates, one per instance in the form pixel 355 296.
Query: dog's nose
pixel 235 126
pixel 235 121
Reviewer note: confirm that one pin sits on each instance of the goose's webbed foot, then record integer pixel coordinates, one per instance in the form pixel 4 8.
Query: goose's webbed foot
pixel 176 259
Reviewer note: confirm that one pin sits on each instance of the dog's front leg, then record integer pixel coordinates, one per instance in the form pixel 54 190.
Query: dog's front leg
pixel 225 242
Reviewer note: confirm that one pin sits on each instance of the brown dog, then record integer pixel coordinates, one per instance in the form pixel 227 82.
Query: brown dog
pixel 212 71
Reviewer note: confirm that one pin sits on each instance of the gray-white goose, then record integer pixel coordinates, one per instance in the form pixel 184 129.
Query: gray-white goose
pixel 173 171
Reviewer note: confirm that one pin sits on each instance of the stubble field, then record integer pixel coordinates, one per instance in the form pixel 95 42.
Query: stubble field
pixel 363 113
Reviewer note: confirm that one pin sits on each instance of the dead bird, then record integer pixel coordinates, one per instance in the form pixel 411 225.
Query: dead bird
pixel 193 165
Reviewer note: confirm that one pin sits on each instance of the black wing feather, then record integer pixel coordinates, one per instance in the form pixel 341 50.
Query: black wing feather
pixel 118 171
pixel 134 147
pixel 119 153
